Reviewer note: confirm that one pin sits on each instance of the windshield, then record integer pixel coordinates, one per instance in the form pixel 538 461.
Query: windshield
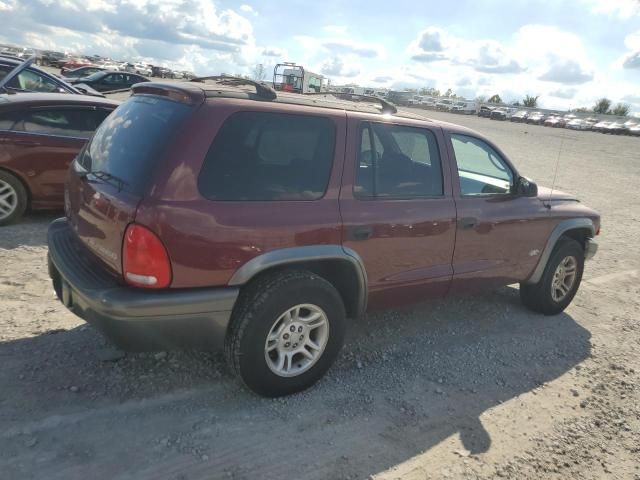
pixel 129 142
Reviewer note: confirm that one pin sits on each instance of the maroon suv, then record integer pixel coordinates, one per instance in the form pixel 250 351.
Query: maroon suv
pixel 209 215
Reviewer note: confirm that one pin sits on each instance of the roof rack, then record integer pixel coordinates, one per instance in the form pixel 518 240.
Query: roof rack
pixel 262 90
pixel 386 107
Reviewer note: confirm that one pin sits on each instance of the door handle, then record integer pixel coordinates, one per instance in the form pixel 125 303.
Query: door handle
pixel 467 222
pixel 361 232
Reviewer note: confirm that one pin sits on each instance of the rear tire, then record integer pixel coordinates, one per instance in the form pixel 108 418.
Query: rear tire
pixel 274 313
pixel 558 285
pixel 13 198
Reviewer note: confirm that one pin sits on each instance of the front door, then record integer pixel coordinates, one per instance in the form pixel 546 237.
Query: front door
pixel 500 235
pixel 397 209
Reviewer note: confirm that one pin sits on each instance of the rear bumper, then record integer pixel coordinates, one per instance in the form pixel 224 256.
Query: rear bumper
pixel 135 319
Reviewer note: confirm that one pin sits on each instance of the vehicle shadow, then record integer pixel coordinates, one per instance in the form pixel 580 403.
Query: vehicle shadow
pixel 405 381
pixel 30 230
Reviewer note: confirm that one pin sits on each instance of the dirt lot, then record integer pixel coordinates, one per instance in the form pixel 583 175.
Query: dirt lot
pixel 462 388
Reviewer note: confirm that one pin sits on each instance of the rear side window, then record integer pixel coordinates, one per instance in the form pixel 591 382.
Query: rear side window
pixel 397 162
pixel 78 123
pixel 269 156
pixel 128 143
pixel 63 122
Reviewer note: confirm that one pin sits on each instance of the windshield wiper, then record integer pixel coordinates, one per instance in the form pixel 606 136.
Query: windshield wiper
pixel 102 175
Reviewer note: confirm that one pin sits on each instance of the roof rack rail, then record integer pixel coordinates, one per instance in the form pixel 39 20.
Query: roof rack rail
pixel 386 106
pixel 262 90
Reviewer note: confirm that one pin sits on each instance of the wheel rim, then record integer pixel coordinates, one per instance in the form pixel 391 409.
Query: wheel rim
pixel 296 340
pixel 8 200
pixel 564 278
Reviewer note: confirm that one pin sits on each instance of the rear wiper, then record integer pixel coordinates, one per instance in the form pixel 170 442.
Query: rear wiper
pixel 102 175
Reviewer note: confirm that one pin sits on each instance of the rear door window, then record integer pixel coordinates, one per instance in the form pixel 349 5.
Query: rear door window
pixel 397 162
pixel 128 143
pixel 79 123
pixel 269 156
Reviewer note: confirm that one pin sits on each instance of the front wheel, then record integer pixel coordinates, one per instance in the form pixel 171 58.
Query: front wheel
pixel 286 332
pixel 560 280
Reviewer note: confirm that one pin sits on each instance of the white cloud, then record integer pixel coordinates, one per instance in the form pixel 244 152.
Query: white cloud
pixel 248 9
pixel 567 72
pixel 347 47
pixel 565 93
pixel 623 9
pixel 275 52
pixel 336 67
pixel 335 29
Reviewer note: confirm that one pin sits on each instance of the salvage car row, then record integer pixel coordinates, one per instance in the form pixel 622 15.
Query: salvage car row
pixel 558 120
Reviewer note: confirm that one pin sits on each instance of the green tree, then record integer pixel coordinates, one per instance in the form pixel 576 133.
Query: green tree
pixel 481 98
pixel 515 104
pixel 530 101
pixel 621 110
pixel 582 110
pixel 449 93
pixel 495 99
pixel 602 106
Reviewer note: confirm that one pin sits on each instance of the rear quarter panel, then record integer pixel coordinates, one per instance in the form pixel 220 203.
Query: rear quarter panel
pixel 209 240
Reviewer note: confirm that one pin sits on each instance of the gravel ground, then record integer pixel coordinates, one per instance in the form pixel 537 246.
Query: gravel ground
pixel 462 388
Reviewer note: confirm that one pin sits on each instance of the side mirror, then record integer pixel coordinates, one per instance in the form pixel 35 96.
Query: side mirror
pixel 525 187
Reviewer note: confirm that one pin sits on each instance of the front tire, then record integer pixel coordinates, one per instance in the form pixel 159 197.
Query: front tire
pixel 13 198
pixel 286 332
pixel 560 280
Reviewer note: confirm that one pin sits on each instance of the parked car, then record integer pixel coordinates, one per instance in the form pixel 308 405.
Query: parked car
pixel 520 116
pixel 627 126
pixel 82 72
pixel 427 102
pixel 142 69
pixel 466 108
pixel 40 134
pixel 29 78
pixel 615 128
pixel 535 118
pixel 485 111
pixel 635 130
pixel 444 105
pixel 250 230
pixel 600 126
pixel 577 124
pixel 162 72
pixel 74 63
pixel 500 113
pixel 106 81
pixel 51 59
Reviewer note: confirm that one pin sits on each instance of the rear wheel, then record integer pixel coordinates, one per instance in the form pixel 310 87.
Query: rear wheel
pixel 13 198
pixel 286 331
pixel 559 282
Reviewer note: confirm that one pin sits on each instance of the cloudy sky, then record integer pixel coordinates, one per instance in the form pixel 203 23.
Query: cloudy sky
pixel 568 52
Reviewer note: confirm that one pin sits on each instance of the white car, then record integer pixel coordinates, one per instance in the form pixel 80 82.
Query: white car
pixel 577 124
pixel 142 69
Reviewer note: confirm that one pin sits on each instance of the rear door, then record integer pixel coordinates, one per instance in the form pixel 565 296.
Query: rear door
pixel 44 142
pixel 397 209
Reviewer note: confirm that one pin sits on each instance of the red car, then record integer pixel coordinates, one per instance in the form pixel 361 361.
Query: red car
pixel 40 135
pixel 213 215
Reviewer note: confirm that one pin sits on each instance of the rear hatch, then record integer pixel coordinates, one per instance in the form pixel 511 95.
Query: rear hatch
pixel 110 175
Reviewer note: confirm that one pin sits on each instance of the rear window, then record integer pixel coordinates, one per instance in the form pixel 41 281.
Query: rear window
pixel 127 144
pixel 269 156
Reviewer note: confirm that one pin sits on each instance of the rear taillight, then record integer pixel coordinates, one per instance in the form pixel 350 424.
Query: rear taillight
pixel 145 262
